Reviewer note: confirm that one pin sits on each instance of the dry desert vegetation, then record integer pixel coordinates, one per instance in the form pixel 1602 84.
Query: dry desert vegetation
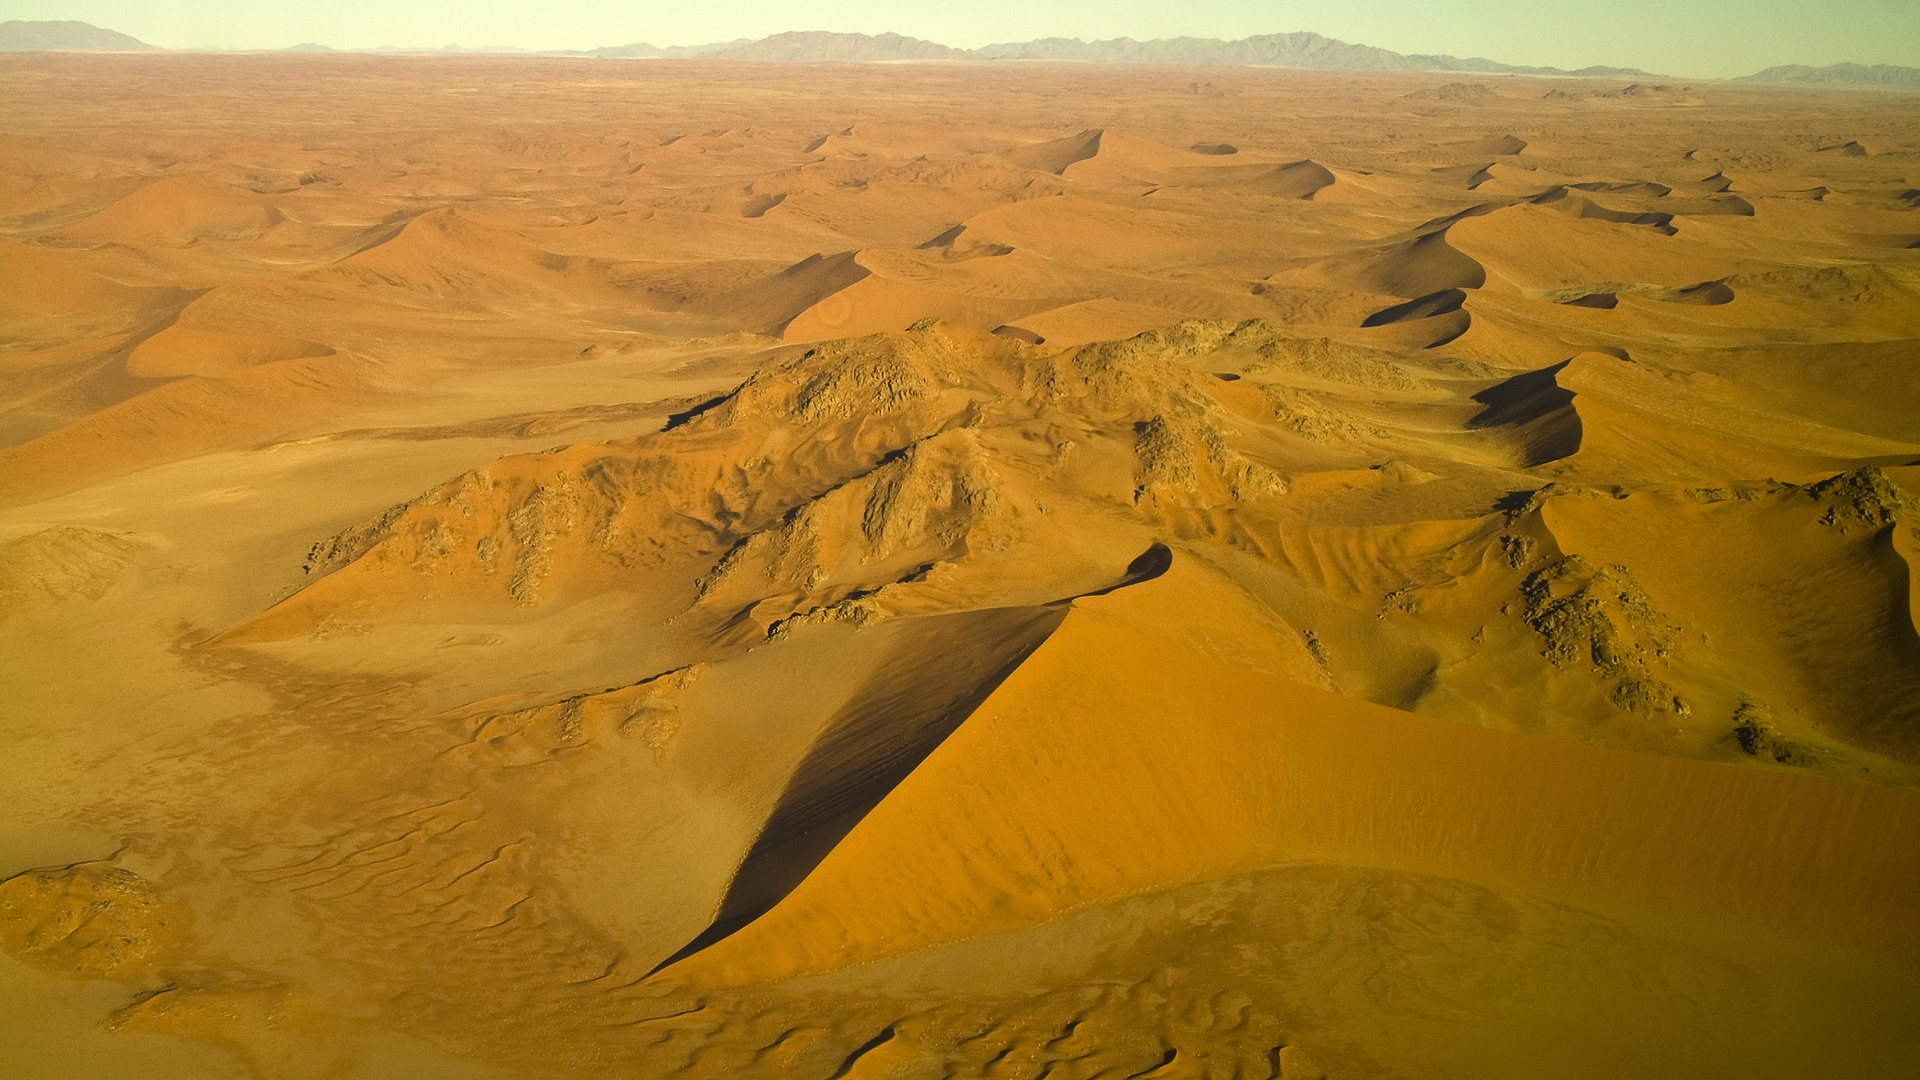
pixel 559 568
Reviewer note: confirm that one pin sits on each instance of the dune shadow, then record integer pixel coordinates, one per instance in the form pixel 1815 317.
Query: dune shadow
pixel 1537 413
pixel 1425 307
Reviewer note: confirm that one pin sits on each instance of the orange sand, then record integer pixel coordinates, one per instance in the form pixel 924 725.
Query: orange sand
pixel 546 568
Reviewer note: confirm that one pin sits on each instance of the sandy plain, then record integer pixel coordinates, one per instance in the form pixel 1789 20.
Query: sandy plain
pixel 543 568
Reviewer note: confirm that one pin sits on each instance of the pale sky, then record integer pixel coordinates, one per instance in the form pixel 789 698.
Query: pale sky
pixel 1702 38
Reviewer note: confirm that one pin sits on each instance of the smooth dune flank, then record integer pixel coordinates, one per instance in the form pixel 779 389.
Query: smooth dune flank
pixel 536 567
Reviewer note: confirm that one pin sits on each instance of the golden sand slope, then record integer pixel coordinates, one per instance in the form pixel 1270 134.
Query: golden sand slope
pixel 1077 782
pixel 529 568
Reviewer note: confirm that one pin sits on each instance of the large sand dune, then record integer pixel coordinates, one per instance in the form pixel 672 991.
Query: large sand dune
pixel 528 567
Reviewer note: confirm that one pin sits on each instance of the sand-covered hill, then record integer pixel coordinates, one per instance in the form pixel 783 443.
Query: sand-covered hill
pixel 513 567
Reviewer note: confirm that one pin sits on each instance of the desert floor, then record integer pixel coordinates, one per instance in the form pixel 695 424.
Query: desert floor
pixel 549 568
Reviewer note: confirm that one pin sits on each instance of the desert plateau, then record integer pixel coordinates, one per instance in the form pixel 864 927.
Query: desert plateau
pixel 565 567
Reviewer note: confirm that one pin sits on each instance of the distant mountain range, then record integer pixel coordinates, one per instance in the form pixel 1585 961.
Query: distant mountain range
pixel 1839 74
pixel 18 36
pixel 1300 50
pixel 800 46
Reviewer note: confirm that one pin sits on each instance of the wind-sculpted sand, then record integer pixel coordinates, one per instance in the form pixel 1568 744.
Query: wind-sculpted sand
pixel 553 568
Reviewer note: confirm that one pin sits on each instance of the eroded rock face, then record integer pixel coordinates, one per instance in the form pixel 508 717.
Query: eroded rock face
pixel 1600 616
pixel 850 466
pixel 63 563
pixel 1863 498
pixel 859 479
pixel 93 920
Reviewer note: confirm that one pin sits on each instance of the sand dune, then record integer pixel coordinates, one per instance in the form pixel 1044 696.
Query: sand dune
pixel 1856 572
pixel 1055 155
pixel 1296 180
pixel 1421 266
pixel 181 350
pixel 884 734
pixel 1064 840
pixel 514 566
pixel 1577 246
pixel 178 210
pixel 1537 412
pixel 41 286
pixel 1505 145
pixel 1091 320
pixel 772 303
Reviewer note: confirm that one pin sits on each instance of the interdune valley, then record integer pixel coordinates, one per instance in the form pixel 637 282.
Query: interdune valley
pixel 557 568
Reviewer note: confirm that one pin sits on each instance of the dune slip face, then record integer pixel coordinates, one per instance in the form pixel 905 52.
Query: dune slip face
pixel 562 568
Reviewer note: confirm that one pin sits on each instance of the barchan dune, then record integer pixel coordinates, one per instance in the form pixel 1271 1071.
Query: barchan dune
pixel 518 567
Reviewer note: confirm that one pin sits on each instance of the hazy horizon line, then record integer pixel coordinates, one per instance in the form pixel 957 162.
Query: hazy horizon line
pixel 318 47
